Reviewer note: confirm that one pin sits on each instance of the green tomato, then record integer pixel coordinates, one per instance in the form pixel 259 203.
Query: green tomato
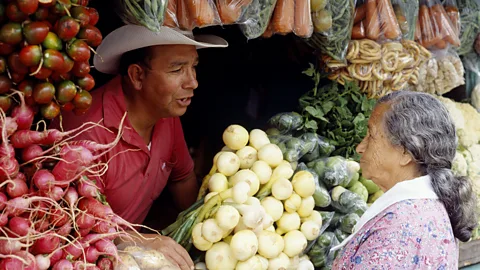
pixel 322 20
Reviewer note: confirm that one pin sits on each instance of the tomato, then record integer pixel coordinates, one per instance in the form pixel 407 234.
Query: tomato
pixel 26 87
pixel 65 92
pixel 78 50
pixel 80 2
pixel 17 77
pixel 60 6
pixel 81 14
pixel 42 74
pixel 11 33
pixel 43 92
pixel 15 65
pixel 67 107
pixel 14 13
pixel 67 63
pixel 27 6
pixel 81 69
pixel 5 103
pixel 91 35
pixel 5 84
pixel 94 16
pixel 35 32
pixel 6 49
pixel 50 110
pixel 67 28
pixel 53 59
pixel 3 64
pixel 82 100
pixel 47 3
pixel 52 42
pixel 86 83
pixel 41 14
pixel 31 55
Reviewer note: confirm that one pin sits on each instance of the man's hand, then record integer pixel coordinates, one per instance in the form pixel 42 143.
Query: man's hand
pixel 174 252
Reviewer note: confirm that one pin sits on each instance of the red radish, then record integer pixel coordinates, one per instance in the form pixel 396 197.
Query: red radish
pixel 23 114
pixel 10 246
pixel 10 126
pixel 101 227
pixel 92 254
pixel 44 180
pixel 105 264
pixel 43 263
pixel 71 196
pixel 7 151
pixel 3 220
pixel 107 247
pixel 95 208
pixel 42 225
pixel 57 256
pixel 63 265
pixel 9 168
pixel 17 188
pixel 31 152
pixel 65 229
pixel 75 250
pixel 83 232
pixel 87 188
pixel 20 226
pixel 56 193
pixel 45 245
pixel 3 200
pixel 29 258
pixel 11 263
pixel 24 138
pixel 58 218
pixel 85 221
pixel 17 206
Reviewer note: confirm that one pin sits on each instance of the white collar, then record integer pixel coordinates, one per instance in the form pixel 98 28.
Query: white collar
pixel 418 188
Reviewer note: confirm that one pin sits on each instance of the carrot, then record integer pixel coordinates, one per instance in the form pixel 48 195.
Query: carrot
pixel 389 24
pixel 229 10
pixel 171 14
pixel 359 14
pixel 453 15
pixel 441 44
pixel 429 33
pixel 372 23
pixel 183 16
pixel 445 27
pixel 418 31
pixel 358 31
pixel 303 26
pixel 283 17
pixel 269 31
pixel 201 12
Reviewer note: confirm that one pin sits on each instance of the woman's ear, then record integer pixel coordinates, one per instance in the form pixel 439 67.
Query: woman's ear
pixel 406 158
pixel 136 76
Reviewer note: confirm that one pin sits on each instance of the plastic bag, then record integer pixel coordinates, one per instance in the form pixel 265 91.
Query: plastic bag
pixel 378 21
pixel 290 16
pixel 470 24
pixel 334 171
pixel 345 201
pixel 326 219
pixel 293 148
pixel 436 29
pixel 406 12
pixel 149 13
pixel 231 11
pixel 257 17
pixel 192 13
pixel 333 22
pixel 453 14
pixel 321 196
pixel 471 63
pixel 323 146
pixel 286 122
pixel 138 257
pixel 348 222
pixel 320 254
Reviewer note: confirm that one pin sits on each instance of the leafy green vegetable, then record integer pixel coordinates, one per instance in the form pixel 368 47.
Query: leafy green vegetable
pixel 470 24
pixel 338 113
pixel 256 17
pixel 286 122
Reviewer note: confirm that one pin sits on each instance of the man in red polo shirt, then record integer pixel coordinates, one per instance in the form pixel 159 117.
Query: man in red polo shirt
pixel 155 85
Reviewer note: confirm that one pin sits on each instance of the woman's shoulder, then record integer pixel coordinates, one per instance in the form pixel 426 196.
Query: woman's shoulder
pixel 416 209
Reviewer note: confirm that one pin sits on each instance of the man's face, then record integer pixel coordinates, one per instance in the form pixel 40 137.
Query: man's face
pixel 170 79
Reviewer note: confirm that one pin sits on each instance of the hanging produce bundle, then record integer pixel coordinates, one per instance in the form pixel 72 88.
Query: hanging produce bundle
pixel 45 48
pixel 291 16
pixel 470 25
pixel 258 213
pixel 379 68
pixel 435 29
pixel 441 74
pixel 53 214
pixel 150 14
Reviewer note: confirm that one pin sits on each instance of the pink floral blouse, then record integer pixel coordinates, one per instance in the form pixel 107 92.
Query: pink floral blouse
pixel 411 234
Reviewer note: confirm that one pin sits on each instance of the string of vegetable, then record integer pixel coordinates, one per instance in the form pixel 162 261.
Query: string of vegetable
pixel 334 42
pixel 470 25
pixel 149 13
pixel 337 112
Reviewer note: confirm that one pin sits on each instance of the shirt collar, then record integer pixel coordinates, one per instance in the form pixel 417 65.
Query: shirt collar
pixel 418 188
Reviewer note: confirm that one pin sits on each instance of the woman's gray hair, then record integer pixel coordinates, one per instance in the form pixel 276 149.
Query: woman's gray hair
pixel 422 125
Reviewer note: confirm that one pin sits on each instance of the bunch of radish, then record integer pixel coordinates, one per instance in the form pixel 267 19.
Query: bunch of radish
pixel 45 48
pixel 52 214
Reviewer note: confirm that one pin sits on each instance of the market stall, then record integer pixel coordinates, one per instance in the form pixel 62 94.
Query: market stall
pixel 281 180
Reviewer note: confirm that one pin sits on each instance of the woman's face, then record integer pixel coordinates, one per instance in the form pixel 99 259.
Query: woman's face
pixel 380 160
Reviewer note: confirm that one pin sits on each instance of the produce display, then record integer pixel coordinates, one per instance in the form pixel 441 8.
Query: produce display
pixel 379 68
pixel 469 25
pixel 45 48
pixel 441 74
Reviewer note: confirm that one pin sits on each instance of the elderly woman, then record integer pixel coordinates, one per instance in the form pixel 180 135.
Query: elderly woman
pixel 408 153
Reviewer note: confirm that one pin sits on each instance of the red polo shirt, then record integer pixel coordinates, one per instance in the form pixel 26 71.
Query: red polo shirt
pixel 134 178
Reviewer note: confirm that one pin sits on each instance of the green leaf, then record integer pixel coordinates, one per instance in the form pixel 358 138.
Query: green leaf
pixel 327 106
pixel 343 101
pixel 310 71
pixel 355 98
pixel 359 118
pixel 311 125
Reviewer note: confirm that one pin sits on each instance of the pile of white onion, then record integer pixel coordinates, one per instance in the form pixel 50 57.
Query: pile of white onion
pixel 246 233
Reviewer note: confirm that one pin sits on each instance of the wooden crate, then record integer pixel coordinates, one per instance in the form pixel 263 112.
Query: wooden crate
pixel 469 253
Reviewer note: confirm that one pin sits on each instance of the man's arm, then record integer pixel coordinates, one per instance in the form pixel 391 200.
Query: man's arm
pixel 184 191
